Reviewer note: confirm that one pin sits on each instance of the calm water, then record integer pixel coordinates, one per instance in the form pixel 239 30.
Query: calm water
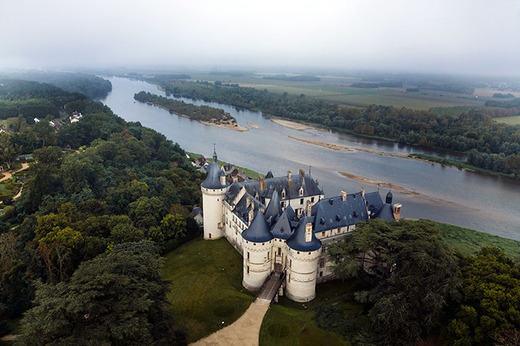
pixel 444 194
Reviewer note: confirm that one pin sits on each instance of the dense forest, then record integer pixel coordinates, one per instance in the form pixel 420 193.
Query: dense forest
pixel 412 286
pixel 493 146
pixel 199 113
pixel 101 199
pixel 92 86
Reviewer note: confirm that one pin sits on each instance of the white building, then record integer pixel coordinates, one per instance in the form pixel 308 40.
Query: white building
pixel 280 224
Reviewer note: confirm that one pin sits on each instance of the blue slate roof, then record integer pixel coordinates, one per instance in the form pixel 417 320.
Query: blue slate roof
pixel 274 209
pixel 335 213
pixel 374 202
pixel 213 179
pixel 283 228
pixel 258 231
pixel 297 240
pixel 242 209
pixel 386 212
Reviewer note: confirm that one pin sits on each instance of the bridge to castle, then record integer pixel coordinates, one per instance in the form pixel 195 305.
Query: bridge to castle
pixel 271 286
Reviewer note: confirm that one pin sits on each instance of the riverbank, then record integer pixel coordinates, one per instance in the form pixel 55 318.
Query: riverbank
pixel 345 148
pixel 379 183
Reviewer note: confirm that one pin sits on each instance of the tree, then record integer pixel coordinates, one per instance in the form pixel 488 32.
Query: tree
pixel 57 249
pixel 490 310
pixel 413 271
pixel 117 298
pixel 8 149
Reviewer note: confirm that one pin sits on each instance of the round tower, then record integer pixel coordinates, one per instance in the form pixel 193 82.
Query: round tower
pixel 214 189
pixel 302 254
pixel 257 245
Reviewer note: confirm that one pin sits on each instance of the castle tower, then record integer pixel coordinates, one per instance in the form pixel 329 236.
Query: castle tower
pixel 257 245
pixel 214 189
pixel 302 254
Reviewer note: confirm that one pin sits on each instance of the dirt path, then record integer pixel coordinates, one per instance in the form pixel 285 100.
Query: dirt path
pixel 8 174
pixel 243 332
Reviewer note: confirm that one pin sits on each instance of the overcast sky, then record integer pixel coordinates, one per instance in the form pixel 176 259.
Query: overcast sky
pixel 454 36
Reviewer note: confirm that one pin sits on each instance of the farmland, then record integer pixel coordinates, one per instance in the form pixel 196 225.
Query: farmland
pixel 339 89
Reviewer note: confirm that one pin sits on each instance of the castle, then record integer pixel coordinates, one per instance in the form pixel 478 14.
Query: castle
pixel 281 224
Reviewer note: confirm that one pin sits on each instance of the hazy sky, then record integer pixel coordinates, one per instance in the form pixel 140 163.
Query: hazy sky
pixel 461 36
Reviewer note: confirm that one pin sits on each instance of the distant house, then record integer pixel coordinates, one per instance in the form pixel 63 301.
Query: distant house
pixel 36 120
pixel 75 117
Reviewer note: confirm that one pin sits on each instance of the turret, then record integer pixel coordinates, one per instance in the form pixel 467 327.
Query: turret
pixel 257 244
pixel 303 253
pixel 214 189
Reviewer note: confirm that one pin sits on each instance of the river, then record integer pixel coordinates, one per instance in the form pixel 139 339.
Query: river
pixel 445 194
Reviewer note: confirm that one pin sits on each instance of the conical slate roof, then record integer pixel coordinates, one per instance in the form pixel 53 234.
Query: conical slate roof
pixel 258 231
pixel 213 179
pixel 282 229
pixel 274 209
pixel 297 241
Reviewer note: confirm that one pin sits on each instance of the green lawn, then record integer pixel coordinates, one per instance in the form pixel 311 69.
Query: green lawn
pixel 509 120
pixel 469 242
pixel 206 286
pixel 291 323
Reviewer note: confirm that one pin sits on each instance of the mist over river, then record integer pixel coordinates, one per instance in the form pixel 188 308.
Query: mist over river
pixel 446 194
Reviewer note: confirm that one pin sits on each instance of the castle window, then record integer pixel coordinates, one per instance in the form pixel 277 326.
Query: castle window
pixel 301 200
pixel 312 199
pixel 279 251
pixel 209 235
pixel 290 263
pixel 248 255
pixel 254 244
pixel 268 255
pixel 321 274
pixel 322 262
pixel 298 252
pixel 309 253
pixel 323 234
pixel 247 268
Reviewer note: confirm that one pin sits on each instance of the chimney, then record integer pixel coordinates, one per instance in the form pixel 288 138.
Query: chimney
pixel 261 181
pixel 222 179
pixel 362 191
pixel 397 211
pixel 251 214
pixel 248 201
pixel 308 232
pixel 289 175
pixel 343 195
pixel 308 209
pixel 289 180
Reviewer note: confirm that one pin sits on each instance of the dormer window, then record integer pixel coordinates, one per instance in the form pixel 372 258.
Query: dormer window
pixel 283 193
pixel 301 191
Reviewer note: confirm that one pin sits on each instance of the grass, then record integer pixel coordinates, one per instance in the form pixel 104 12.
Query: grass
pixel 250 173
pixel 509 120
pixel 206 286
pixel 469 242
pixel 206 289
pixel 291 323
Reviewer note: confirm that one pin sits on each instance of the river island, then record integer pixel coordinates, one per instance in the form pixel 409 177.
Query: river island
pixel 203 114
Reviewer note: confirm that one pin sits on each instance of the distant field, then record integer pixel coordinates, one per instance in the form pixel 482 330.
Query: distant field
pixel 509 120
pixel 338 89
